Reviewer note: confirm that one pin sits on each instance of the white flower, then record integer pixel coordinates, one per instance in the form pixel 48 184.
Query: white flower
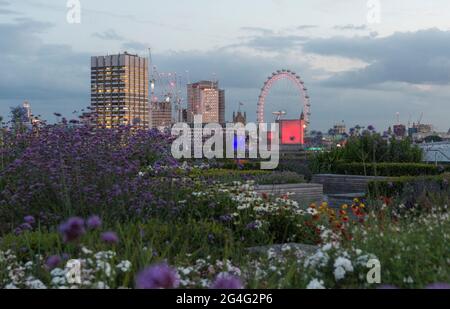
pixel 124 266
pixel 345 263
pixel 11 286
pixel 105 267
pixel 286 247
pixel 101 286
pixel 271 253
pixel 319 259
pixel 312 211
pixel 408 280
pixel 58 281
pixel 86 251
pixel 327 247
pixel 316 284
pixel 339 273
pixel 35 284
pixel 57 272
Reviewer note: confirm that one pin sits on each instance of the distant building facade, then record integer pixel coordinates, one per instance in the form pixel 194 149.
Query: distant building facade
pixel 400 131
pixel 340 129
pixel 119 91
pixel 30 120
pixel 240 117
pixel 161 114
pixel 206 99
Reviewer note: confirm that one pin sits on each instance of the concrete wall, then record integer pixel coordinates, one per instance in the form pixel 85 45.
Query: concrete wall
pixel 338 184
pixel 304 193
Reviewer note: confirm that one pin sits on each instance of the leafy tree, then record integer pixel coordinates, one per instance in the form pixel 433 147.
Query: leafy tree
pixel 19 118
pixel 369 147
pixel 433 139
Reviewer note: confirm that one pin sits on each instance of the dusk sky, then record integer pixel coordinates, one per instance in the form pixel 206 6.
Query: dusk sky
pixel 356 69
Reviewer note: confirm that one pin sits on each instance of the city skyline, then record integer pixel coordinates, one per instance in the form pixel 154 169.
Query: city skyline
pixel 360 72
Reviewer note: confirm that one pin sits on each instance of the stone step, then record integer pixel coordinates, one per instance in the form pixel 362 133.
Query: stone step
pixel 304 193
pixel 342 184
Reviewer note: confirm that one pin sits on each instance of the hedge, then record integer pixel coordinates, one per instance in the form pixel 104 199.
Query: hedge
pixel 389 169
pixel 412 186
pixel 259 176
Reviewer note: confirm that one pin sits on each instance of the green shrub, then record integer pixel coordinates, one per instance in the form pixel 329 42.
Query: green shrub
pixel 259 176
pixel 412 186
pixel 387 169
pixel 367 148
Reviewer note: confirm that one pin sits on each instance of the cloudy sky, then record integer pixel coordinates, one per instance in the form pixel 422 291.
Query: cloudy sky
pixel 359 66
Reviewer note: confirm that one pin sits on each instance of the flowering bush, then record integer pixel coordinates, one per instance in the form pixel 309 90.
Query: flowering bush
pixel 62 170
pixel 132 217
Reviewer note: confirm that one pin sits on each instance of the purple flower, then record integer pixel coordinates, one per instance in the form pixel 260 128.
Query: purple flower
pixel 438 286
pixel 72 229
pixel 253 225
pixel 94 222
pixel 110 238
pixel 26 227
pixel 226 281
pixel 29 219
pixel 160 276
pixel 226 218
pixel 52 262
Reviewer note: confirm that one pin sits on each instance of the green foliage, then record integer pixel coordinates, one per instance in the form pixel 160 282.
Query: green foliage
pixel 373 148
pixel 325 162
pixel 367 148
pixel 245 165
pixel 398 244
pixel 433 139
pixel 386 169
pixel 259 176
pixel 295 165
pixel 411 186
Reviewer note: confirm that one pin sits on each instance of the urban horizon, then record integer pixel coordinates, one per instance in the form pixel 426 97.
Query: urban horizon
pixel 274 146
pixel 343 84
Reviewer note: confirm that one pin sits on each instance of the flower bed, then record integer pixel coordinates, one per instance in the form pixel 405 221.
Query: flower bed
pixel 116 205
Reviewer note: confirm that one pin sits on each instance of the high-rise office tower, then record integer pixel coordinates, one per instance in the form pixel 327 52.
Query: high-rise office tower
pixel 206 99
pixel 27 109
pixel 161 114
pixel 119 91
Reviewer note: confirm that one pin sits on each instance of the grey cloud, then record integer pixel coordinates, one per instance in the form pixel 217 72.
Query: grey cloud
pixel 233 69
pixel 351 27
pixel 420 57
pixel 257 30
pixel 136 46
pixel 304 27
pixel 49 73
pixel 273 42
pixel 6 11
pixel 109 34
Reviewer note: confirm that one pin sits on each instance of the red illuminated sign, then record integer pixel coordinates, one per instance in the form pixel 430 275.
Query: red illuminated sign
pixel 292 132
